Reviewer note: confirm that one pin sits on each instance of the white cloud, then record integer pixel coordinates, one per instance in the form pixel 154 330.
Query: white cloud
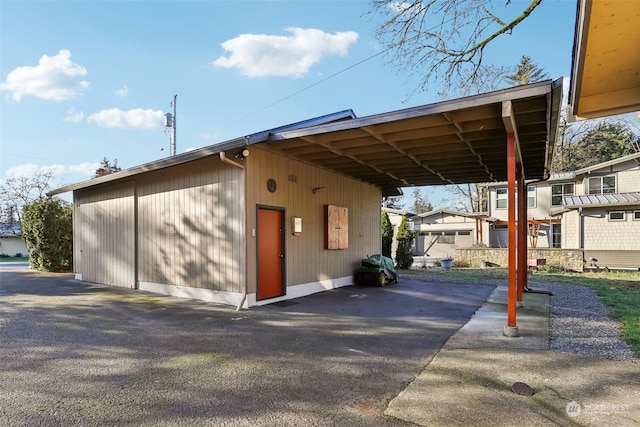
pixel 72 116
pixel 26 169
pixel 132 119
pixel 30 169
pixel 122 92
pixel 55 78
pixel 260 55
pixel 85 168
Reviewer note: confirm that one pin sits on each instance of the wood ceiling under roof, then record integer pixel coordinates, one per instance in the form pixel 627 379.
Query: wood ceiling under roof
pixel 452 142
pixel 605 76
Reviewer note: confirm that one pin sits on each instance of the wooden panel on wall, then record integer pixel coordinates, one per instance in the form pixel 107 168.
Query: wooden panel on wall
pixel 336 227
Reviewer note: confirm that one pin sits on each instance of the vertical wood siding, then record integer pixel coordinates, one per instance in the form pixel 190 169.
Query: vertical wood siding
pixel 306 259
pixel 191 226
pixel 104 239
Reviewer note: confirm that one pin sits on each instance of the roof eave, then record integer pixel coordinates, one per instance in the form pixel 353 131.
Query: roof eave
pixel 189 156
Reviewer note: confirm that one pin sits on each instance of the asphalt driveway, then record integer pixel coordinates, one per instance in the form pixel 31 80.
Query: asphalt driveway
pixel 78 354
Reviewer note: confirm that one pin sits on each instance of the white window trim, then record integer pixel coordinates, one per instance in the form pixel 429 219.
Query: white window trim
pixel 535 196
pixel 562 194
pixel 506 198
pixel 636 215
pixel 615 187
pixel 624 216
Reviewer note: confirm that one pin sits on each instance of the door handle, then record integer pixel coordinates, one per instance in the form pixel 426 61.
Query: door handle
pixel 281 255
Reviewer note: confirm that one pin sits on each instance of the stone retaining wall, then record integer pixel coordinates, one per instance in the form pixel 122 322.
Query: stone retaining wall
pixel 566 259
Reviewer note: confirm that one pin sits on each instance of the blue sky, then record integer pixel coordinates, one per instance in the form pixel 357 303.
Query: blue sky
pixel 83 80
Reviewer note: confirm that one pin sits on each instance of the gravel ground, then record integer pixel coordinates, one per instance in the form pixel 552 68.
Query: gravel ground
pixel 581 323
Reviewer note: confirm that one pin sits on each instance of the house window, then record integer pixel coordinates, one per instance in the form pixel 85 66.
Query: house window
pixel 558 191
pixel 636 215
pixel 556 235
pixel 616 216
pixel 447 239
pixel 501 198
pixel 531 196
pixel 464 233
pixel 602 184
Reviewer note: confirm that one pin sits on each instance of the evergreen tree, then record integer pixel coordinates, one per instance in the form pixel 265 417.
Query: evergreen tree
pixel 404 254
pixel 47 229
pixel 592 145
pixel 526 72
pixel 387 234
pixel 106 168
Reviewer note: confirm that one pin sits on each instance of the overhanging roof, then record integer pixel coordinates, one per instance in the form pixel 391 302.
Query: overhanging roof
pixel 212 150
pixel 452 142
pixel 605 75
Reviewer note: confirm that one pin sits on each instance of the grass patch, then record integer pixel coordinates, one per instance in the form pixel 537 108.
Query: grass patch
pixel 14 259
pixel 620 290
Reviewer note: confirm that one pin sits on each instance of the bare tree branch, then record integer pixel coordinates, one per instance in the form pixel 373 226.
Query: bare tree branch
pixel 442 40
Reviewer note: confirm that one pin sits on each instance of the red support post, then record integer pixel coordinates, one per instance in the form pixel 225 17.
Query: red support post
pixel 521 233
pixel 511 329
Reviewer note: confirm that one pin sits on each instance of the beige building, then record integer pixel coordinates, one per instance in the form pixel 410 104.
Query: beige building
pixel 235 224
pixel 439 233
pixel 596 209
pixel 11 242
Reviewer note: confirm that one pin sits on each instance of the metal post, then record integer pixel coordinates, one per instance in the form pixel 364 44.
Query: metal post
pixel 173 134
pixel 511 328
pixel 522 232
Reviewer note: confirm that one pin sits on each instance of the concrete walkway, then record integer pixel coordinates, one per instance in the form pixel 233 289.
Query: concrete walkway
pixel 470 381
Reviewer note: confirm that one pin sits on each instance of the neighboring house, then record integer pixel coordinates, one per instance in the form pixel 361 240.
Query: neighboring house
pixel 439 233
pixel 11 241
pixel 596 209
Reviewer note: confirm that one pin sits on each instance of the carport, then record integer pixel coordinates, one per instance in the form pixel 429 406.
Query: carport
pixel 507 135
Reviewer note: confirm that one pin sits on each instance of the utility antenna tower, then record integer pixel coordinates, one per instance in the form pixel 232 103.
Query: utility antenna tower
pixel 170 126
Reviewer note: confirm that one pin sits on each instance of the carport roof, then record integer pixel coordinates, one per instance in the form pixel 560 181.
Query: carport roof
pixel 451 142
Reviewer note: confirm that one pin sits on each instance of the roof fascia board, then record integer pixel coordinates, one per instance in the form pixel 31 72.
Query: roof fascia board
pixel 189 156
pixel 583 14
pixel 200 153
pixel 263 136
pixel 608 163
pixel 511 94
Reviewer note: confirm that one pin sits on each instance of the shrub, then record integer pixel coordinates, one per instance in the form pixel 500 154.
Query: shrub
pixel 404 254
pixel 48 232
pixel 387 234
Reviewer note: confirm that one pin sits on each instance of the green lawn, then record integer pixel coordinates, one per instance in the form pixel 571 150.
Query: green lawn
pixel 618 289
pixel 14 259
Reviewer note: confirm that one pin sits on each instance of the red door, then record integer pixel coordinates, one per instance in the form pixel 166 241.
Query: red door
pixel 270 253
